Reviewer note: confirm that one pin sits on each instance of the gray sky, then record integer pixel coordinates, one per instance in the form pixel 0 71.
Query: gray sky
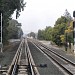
pixel 41 13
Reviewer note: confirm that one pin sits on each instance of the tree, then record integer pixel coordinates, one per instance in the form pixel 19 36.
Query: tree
pixel 13 31
pixel 68 35
pixel 58 33
pixel 59 29
pixel 61 20
pixel 31 34
pixel 45 34
pixel 61 25
pixel 7 7
pixel 67 15
pixel 48 33
pixel 41 34
pixel 69 32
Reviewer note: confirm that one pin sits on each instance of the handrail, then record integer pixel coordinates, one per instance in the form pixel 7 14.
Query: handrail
pixel 13 65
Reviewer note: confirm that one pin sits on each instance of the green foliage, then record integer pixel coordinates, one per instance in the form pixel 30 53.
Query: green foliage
pixel 7 7
pixel 67 15
pixel 32 34
pixel 14 31
pixel 45 34
pixel 62 38
pixel 58 34
pixel 41 34
pixel 69 32
pixel 61 20
pixel 58 30
pixel 48 33
pixel 54 33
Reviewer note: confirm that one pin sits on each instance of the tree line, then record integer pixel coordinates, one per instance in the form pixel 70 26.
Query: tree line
pixel 61 33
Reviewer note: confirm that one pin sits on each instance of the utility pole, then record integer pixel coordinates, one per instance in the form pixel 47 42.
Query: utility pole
pixel 66 43
pixel 1 45
pixel 74 29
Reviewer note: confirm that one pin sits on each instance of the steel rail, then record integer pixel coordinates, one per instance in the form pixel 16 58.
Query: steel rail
pixel 13 66
pixel 57 54
pixel 33 69
pixel 51 50
pixel 16 60
pixel 54 59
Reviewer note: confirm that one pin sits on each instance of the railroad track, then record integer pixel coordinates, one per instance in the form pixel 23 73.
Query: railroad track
pixel 22 63
pixel 3 70
pixel 67 65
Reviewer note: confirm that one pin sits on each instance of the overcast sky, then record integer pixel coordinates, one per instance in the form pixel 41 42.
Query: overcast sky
pixel 41 13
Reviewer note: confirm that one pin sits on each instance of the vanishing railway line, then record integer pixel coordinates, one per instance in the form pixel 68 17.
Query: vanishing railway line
pixel 67 65
pixel 23 62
